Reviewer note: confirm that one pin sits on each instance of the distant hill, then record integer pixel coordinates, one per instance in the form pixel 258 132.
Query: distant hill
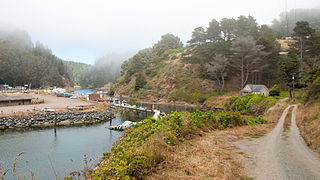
pixel 106 69
pixel 21 62
pixel 279 25
pixel 76 70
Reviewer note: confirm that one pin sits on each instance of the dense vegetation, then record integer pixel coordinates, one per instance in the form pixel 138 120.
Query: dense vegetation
pixel 22 63
pixel 252 104
pixel 228 54
pixel 76 70
pixel 145 145
pixel 106 69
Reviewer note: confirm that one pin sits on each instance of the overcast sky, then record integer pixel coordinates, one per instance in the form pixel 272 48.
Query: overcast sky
pixel 83 30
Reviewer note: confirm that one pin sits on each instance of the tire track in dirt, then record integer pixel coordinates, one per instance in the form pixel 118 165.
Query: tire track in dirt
pixel 274 157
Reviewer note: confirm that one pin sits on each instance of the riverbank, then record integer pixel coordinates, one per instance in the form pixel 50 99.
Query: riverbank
pixel 62 119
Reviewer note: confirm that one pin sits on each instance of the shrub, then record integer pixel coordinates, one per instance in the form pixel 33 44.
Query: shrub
pixel 253 104
pixel 275 91
pixel 145 145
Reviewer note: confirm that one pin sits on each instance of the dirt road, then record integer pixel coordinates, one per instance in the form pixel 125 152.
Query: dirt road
pixel 50 101
pixel 280 155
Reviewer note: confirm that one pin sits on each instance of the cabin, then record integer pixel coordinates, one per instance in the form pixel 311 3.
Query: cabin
pixel 255 89
pixel 14 100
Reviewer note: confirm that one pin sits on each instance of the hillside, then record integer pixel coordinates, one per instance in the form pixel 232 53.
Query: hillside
pixel 209 65
pixel 76 70
pixel 172 81
pixel 23 63
pixel 106 69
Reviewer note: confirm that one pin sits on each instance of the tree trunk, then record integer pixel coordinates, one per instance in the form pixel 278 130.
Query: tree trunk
pixel 222 84
pixel 301 61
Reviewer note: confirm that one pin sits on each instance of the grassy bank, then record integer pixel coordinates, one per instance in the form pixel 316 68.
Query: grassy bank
pixel 253 104
pixel 149 142
pixel 308 121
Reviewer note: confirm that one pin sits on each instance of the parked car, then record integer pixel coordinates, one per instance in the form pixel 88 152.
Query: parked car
pixel 73 97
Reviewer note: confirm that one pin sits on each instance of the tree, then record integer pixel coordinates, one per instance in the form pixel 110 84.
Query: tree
pixel 168 41
pixel 246 26
pixel 140 81
pixel 302 31
pixel 219 64
pixel 246 56
pixel 228 28
pixel 289 67
pixel 198 37
pixel 213 31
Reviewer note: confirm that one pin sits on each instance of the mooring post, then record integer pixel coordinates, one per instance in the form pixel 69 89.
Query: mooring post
pixel 55 123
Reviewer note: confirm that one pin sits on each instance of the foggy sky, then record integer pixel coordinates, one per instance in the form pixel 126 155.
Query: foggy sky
pixel 82 30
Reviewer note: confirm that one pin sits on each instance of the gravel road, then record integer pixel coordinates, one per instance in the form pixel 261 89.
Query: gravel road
pixel 280 155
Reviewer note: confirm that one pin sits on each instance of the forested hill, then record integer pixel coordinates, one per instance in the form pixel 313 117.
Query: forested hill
pixel 76 71
pixel 226 55
pixel 290 18
pixel 23 63
pixel 105 69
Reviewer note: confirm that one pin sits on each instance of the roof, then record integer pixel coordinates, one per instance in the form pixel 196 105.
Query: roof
pixel 13 98
pixel 254 88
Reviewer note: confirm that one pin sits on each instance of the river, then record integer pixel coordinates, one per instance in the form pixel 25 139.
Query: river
pixel 48 155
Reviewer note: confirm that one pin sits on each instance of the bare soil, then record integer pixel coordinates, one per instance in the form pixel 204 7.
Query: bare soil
pixel 56 103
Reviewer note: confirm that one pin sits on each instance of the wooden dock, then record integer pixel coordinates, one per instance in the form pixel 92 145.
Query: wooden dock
pixel 135 108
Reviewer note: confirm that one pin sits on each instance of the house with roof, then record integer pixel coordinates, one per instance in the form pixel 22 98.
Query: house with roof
pixel 255 89
pixel 14 100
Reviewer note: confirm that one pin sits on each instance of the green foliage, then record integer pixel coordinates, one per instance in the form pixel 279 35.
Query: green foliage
pixel 167 42
pixel 140 81
pixel 142 147
pixel 313 80
pixel 76 70
pixel 274 91
pixel 106 69
pixel 253 104
pixel 37 65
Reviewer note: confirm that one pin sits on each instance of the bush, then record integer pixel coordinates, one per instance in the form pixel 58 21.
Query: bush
pixel 145 145
pixel 275 91
pixel 253 104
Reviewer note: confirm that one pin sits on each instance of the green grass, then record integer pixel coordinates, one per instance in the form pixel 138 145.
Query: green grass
pixel 146 144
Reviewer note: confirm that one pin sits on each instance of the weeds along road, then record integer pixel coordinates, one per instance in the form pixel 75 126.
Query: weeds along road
pixel 281 154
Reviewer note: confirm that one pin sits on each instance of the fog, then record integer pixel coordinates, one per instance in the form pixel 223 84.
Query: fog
pixel 83 31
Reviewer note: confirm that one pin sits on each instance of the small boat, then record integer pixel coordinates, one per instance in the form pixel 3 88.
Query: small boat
pixel 123 126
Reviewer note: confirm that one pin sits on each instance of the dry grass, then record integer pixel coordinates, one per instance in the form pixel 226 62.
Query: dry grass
pixel 287 123
pixel 275 112
pixel 211 154
pixel 207 156
pixel 308 121
pixel 219 101
pixel 16 114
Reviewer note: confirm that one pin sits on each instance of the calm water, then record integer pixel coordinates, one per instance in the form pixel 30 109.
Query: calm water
pixel 83 91
pixel 48 154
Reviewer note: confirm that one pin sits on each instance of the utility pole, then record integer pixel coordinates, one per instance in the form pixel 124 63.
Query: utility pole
pixel 293 96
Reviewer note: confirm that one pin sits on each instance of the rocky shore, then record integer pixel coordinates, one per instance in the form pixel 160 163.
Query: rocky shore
pixel 48 119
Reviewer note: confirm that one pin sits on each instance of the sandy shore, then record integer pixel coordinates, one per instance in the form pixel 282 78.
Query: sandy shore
pixel 51 101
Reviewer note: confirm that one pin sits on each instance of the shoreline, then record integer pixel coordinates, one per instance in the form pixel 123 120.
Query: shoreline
pixel 42 120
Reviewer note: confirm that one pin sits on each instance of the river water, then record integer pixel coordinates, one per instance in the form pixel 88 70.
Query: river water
pixel 48 155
